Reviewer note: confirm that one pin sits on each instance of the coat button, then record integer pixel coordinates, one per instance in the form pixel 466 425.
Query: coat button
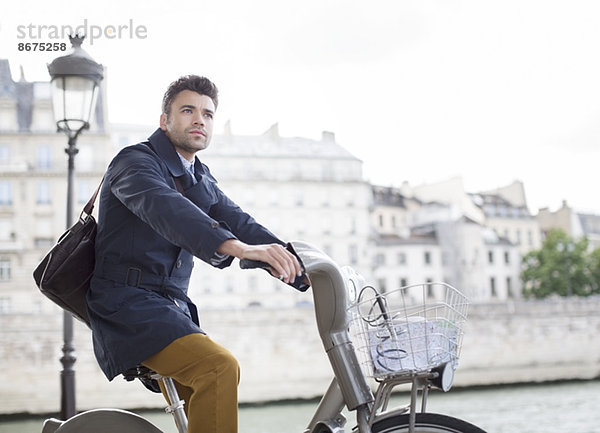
pixel 214 224
pixel 178 264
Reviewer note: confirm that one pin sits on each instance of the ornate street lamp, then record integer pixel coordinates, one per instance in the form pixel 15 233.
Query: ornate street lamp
pixel 75 80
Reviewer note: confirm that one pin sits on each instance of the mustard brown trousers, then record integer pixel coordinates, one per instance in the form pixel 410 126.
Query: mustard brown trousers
pixel 206 376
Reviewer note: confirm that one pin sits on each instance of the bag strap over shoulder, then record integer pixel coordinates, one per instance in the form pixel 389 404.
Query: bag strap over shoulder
pixel 179 186
pixel 89 206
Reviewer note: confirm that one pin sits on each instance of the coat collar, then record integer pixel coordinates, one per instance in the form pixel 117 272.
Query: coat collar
pixel 166 151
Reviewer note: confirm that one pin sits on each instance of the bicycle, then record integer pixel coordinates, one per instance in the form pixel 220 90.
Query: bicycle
pixel 410 336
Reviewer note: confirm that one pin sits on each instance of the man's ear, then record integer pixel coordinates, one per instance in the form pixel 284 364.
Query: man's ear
pixel 163 122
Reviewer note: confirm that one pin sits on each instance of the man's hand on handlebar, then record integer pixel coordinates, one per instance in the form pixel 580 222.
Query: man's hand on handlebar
pixel 281 263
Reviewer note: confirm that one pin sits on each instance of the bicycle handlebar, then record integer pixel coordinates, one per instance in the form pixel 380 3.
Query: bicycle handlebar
pixel 300 282
pixel 253 264
pixel 257 264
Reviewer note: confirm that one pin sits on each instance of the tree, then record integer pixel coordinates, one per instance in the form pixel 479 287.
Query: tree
pixel 595 270
pixel 563 266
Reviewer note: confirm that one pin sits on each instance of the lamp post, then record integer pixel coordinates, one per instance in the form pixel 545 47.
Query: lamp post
pixel 75 80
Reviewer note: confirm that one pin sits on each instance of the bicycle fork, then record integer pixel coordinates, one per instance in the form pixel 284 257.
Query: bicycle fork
pixel 329 418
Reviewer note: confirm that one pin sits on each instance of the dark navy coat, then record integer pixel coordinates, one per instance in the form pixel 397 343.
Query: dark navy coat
pixel 148 233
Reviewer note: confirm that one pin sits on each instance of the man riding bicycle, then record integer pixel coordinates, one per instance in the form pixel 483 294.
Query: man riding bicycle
pixel 160 207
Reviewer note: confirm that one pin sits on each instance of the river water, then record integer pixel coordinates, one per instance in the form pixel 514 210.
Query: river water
pixel 572 407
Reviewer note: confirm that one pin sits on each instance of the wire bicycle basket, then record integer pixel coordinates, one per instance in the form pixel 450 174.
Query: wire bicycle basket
pixel 412 329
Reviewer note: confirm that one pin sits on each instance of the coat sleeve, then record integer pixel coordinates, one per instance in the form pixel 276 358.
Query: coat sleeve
pixel 139 181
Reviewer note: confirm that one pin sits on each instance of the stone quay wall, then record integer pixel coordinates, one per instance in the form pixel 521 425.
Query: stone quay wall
pixel 282 357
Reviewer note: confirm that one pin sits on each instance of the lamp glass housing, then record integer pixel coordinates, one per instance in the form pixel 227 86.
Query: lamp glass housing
pixel 74 99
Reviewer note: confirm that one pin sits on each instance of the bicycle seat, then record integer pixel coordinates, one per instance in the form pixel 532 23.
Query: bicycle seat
pixel 144 374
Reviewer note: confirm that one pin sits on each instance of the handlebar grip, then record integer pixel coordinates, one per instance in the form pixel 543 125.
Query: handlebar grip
pixel 299 283
pixel 253 264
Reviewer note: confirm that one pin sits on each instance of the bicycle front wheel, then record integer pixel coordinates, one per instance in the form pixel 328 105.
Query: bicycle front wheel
pixel 425 423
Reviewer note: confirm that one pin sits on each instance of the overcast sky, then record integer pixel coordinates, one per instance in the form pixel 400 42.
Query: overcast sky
pixel 420 90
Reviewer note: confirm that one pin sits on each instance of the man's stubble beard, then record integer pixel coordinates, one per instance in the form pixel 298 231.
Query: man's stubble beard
pixel 186 143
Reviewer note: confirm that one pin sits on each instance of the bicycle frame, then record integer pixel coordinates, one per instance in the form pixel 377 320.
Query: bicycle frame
pixel 348 388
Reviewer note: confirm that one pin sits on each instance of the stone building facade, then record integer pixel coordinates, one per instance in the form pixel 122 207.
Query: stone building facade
pixel 308 189
pixel 429 234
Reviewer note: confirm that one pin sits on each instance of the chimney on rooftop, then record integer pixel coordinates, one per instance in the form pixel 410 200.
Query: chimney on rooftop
pixel 272 132
pixel 328 137
pixel 227 131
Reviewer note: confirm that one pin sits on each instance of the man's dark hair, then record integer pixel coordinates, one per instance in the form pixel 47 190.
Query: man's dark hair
pixel 195 83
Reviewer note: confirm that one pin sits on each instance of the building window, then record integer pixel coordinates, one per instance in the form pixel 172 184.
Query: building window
pixel 85 158
pixel 249 198
pixel 229 286
pixel 6 229
pixel 490 257
pixel 509 289
pixel 43 228
pixel 252 284
pixel 44 156
pixel 352 225
pixel 5 273
pixel 84 191
pixel 273 197
pixel 43 192
pixel 353 254
pixel 5 305
pixel 327 171
pixel 403 282
pixel 4 154
pixel 301 225
pixel 401 258
pixel 445 259
pixel 427 257
pixel 493 287
pixel 350 199
pixel 5 192
pixel 380 220
pixel 379 259
pixel 506 257
pixel 206 285
pixel 430 291
pixel 44 243
pixel 326 225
